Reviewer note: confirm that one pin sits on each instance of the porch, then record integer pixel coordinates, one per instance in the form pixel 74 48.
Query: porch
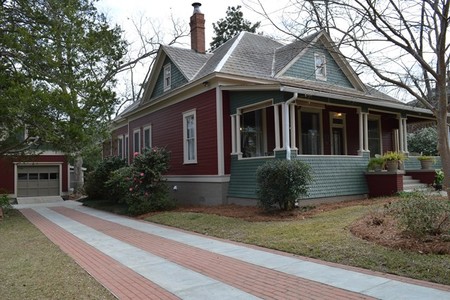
pixel 335 139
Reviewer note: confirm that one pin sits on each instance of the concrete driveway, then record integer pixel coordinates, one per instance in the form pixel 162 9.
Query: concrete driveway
pixel 141 260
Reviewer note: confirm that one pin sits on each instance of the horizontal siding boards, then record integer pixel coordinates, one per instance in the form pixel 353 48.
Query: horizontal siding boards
pixel 177 79
pixel 167 131
pixel 304 68
pixel 412 163
pixel 333 176
pixel 243 177
pixel 242 98
pixel 336 175
pixel 7 175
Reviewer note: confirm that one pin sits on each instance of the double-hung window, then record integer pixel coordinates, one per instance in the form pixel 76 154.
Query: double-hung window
pixel 190 137
pixel 126 148
pixel 120 147
pixel 147 138
pixel 320 65
pixel 167 77
pixel 136 141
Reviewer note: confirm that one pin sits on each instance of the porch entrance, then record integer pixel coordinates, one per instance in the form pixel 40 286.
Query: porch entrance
pixel 374 136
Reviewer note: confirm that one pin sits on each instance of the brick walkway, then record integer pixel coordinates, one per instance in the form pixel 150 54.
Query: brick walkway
pixel 141 260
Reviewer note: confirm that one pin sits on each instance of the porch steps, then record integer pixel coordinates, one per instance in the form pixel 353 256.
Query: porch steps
pixel 411 185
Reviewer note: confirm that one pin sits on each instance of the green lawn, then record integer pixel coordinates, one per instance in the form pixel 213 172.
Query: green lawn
pixel 32 267
pixel 324 236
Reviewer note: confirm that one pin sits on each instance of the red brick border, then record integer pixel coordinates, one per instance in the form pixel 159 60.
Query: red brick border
pixel 259 281
pixel 120 280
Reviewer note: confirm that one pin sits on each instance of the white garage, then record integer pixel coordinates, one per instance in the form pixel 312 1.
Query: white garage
pixel 37 181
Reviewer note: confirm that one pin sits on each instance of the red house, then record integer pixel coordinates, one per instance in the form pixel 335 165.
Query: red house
pixel 223 114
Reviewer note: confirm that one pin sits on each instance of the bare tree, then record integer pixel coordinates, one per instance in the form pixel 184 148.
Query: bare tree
pixel 403 42
pixel 142 53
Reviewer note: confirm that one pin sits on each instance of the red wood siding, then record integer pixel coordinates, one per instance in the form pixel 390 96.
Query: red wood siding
pixel 7 176
pixel 167 131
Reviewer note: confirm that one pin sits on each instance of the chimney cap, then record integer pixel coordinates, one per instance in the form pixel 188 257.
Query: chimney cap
pixel 196 6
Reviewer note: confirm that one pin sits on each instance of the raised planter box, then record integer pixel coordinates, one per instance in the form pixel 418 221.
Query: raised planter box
pixel 384 183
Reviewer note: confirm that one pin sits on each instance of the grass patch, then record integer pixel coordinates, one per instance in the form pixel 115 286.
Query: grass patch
pixel 324 236
pixel 32 267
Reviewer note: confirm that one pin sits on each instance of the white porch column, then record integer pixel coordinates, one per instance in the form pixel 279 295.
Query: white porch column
pixel 366 131
pixel 405 136
pixel 401 134
pixel 276 118
pixel 293 127
pixel 233 134
pixel 238 132
pixel 285 128
pixel 361 132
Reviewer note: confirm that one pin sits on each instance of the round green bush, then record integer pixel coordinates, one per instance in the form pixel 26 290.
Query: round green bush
pixel 282 182
pixel 95 184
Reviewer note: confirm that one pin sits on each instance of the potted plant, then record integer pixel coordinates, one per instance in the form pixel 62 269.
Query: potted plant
pixel 426 161
pixel 438 180
pixel 375 164
pixel 393 159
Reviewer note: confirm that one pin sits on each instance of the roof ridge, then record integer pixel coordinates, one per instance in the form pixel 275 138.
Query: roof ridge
pixel 229 52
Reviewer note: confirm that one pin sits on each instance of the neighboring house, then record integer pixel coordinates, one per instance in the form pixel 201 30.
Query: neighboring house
pixel 223 114
pixel 38 174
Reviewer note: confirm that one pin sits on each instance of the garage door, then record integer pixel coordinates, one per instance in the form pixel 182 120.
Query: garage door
pixel 35 181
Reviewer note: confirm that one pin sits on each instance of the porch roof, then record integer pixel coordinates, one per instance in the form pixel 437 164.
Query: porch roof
pixel 362 99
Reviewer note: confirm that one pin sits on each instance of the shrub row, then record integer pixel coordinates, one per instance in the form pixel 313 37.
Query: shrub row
pixel 140 186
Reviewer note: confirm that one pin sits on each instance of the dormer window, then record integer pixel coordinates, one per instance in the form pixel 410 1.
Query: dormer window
pixel 320 64
pixel 167 77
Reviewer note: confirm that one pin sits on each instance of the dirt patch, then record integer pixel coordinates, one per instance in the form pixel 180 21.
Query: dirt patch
pixel 383 229
pixel 256 214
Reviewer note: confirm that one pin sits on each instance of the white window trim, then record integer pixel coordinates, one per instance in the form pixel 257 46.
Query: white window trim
pixel 149 128
pixel 185 144
pixel 139 150
pixel 320 75
pixel 120 147
pixel 167 77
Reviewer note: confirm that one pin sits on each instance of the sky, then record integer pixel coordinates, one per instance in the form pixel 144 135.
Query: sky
pixel 126 12
pixel 123 11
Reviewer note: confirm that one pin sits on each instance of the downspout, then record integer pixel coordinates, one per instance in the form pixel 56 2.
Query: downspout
pixel 286 136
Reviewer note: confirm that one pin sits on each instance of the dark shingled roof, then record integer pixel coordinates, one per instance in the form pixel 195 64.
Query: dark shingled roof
pixel 187 60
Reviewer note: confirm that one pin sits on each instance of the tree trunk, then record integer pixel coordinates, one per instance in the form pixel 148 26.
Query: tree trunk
pixel 78 174
pixel 443 146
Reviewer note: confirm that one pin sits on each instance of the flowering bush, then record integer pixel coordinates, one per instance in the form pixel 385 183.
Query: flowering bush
pixel 142 186
pixel 282 182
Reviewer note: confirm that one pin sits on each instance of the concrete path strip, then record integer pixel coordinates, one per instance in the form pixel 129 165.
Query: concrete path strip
pixel 190 266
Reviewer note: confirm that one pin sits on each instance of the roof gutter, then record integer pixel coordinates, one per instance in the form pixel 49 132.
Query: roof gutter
pixel 368 100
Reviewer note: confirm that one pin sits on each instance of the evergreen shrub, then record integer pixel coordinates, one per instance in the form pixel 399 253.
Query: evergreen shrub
pixel 281 182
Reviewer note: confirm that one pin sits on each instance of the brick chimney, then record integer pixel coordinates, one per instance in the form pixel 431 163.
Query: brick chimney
pixel 197 29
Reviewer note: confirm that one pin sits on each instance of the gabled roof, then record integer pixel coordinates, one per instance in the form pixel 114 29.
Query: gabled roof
pixel 187 60
pixel 259 57
pixel 285 54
